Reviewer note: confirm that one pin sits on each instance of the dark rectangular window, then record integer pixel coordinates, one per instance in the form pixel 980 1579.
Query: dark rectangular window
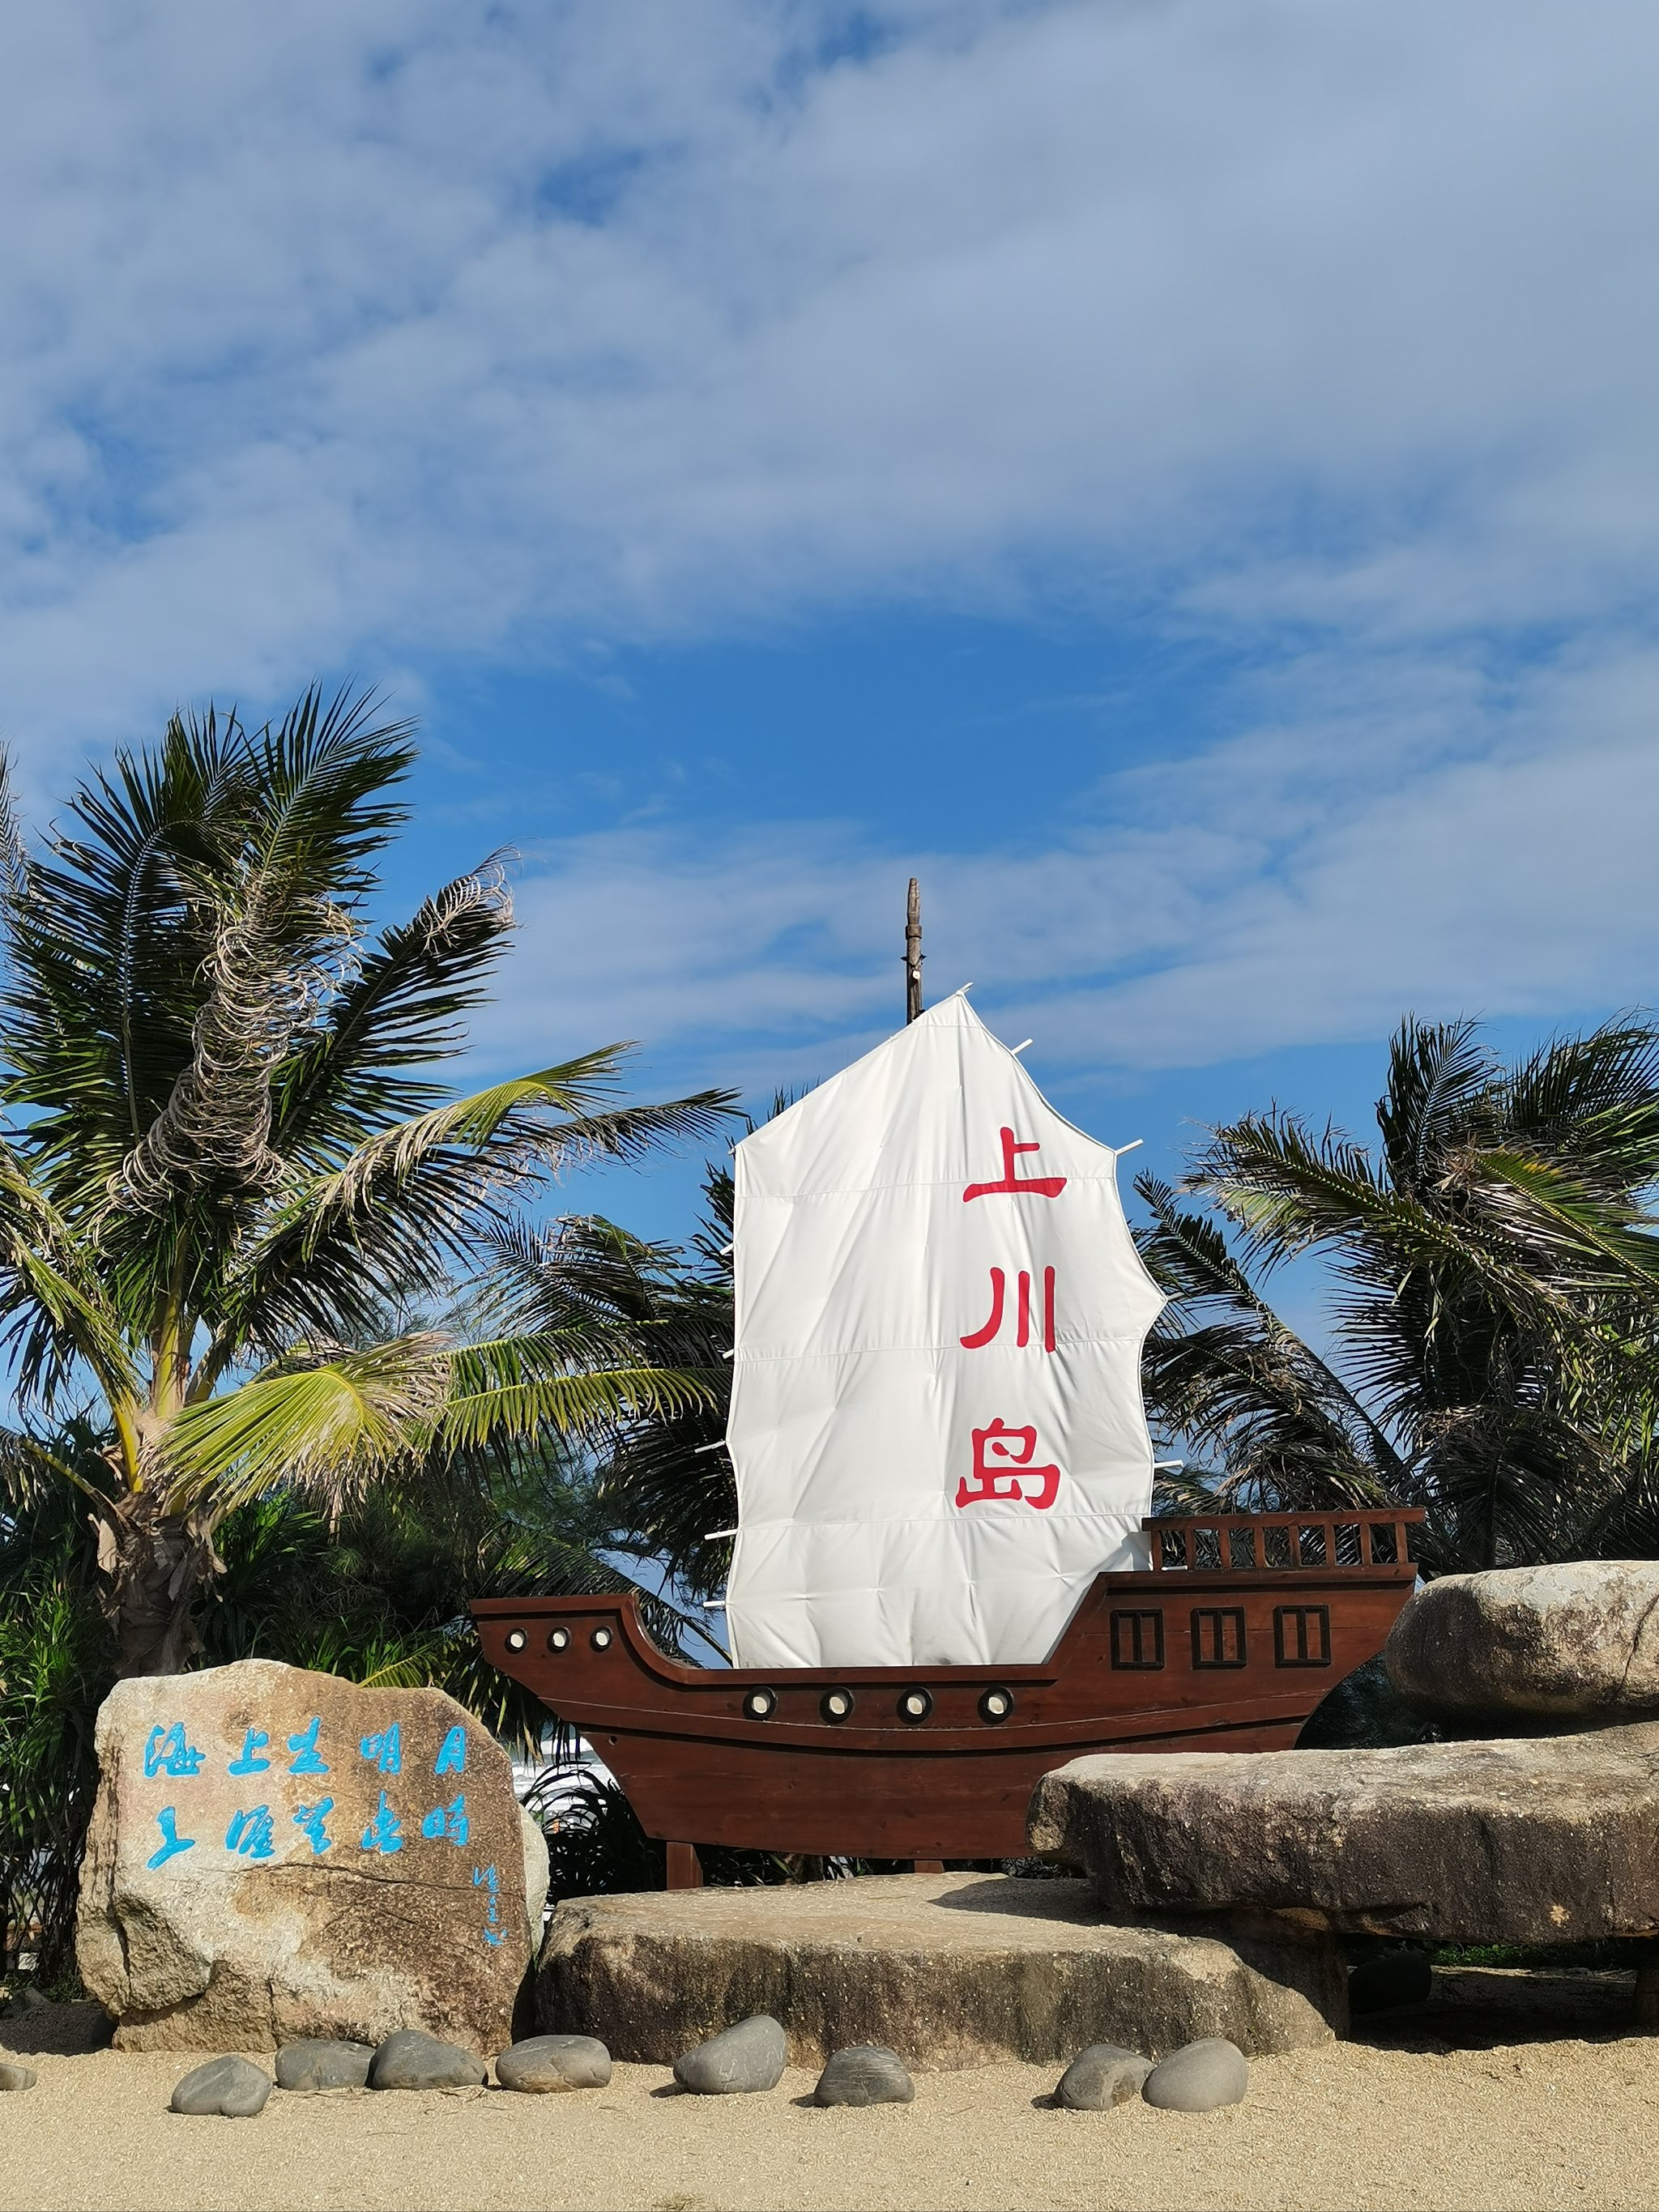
pixel 1138 1639
pixel 1219 1636
pixel 1302 1636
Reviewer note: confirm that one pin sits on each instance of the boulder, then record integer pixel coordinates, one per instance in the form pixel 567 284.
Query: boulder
pixel 548 2063
pixel 948 1970
pixel 750 2056
pixel 276 1855
pixel 1103 2075
pixel 225 2088
pixel 411 2059
pixel 1365 1712
pixel 1578 1642
pixel 314 2065
pixel 864 2073
pixel 1202 2078
pixel 1531 1840
pixel 13 2076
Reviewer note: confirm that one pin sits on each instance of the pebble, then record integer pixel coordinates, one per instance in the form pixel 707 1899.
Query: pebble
pixel 1199 2077
pixel 412 2059
pixel 16 2077
pixel 227 2088
pixel 1103 2075
pixel 748 2056
pixel 316 2063
pixel 1395 1978
pixel 864 2073
pixel 545 2062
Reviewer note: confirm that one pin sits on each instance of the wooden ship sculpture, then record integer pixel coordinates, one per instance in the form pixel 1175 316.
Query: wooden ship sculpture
pixel 945 1581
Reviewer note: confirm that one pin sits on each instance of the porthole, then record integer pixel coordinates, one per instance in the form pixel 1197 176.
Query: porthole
pixel 914 1705
pixel 760 1704
pixel 516 1639
pixel 601 1639
pixel 558 1639
pixel 837 1704
pixel 996 1705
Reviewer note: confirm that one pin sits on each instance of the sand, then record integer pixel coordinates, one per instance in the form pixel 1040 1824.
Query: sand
pixel 1545 2123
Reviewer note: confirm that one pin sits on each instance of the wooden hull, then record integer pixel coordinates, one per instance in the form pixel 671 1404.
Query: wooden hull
pixel 939 1762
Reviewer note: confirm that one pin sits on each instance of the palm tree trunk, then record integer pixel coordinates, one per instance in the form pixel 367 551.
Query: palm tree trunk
pixel 155 1565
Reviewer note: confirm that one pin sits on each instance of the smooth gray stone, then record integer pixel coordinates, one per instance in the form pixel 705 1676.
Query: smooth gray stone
pixel 1199 2077
pixel 225 2088
pixel 16 2077
pixel 317 2064
pixel 1575 1642
pixel 864 2073
pixel 748 2056
pixel 1103 2075
pixel 1396 1977
pixel 412 2059
pixel 542 2063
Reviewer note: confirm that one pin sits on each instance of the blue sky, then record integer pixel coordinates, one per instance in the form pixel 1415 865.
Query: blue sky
pixel 1179 477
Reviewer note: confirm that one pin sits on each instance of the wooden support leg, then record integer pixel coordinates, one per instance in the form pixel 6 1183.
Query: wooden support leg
pixel 684 1866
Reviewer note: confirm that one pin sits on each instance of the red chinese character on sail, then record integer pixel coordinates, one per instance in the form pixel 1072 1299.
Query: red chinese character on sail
pixel 1029 1186
pixel 1022 1312
pixel 1002 1467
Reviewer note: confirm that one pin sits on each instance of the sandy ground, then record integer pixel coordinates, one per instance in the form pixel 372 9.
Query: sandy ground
pixel 1405 2121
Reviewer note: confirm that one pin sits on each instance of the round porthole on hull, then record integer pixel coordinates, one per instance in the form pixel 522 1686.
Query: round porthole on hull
pixel 914 1705
pixel 558 1639
pixel 760 1704
pixel 837 1704
pixel 996 1706
pixel 600 1639
pixel 516 1639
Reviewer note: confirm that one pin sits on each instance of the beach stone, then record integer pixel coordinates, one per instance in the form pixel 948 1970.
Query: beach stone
pixel 411 2059
pixel 1396 1977
pixel 314 2064
pixel 864 2073
pixel 1578 1641
pixel 1532 1839
pixel 550 2062
pixel 225 2088
pixel 1201 2078
pixel 951 1970
pixel 751 2056
pixel 16 2077
pixel 1103 2075
pixel 275 1857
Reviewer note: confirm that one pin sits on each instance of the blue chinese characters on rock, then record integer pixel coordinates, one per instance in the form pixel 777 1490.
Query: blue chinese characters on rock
pixel 268 1831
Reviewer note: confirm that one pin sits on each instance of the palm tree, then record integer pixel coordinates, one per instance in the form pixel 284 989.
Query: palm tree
pixel 227 1162
pixel 1495 1329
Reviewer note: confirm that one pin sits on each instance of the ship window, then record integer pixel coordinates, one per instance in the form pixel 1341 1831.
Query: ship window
pixel 1347 1545
pixel 1241 1547
pixel 1219 1636
pixel 1276 1547
pixel 1385 1544
pixel 1313 1544
pixel 1302 1636
pixel 1138 1639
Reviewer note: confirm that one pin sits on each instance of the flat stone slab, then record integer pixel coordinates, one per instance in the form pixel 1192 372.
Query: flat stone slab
pixel 948 1971
pixel 1524 1840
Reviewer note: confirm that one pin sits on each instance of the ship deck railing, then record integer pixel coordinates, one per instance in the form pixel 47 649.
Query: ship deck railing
pixel 1370 1542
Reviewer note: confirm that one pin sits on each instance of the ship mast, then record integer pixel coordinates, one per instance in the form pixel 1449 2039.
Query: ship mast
pixel 913 952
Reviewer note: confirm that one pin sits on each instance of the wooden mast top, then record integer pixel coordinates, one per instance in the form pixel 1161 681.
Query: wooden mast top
pixel 913 953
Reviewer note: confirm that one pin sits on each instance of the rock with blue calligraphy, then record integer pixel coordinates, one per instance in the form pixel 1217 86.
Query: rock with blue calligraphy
pixel 278 1856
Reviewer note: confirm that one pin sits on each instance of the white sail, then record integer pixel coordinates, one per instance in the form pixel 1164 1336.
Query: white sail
pixel 936 1420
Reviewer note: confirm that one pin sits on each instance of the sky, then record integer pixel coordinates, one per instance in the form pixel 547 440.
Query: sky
pixel 1177 477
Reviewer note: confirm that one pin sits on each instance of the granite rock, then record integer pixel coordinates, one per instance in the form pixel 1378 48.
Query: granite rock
pixel 742 2059
pixel 864 2073
pixel 950 1970
pixel 1526 1840
pixel 1201 2078
pixel 276 1855
pixel 1103 2075
pixel 224 2088
pixel 318 2063
pixel 1574 1642
pixel 411 2059
pixel 545 2063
